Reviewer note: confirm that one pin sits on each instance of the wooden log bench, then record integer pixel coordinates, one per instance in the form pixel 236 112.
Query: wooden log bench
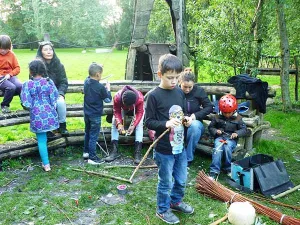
pixel 253 120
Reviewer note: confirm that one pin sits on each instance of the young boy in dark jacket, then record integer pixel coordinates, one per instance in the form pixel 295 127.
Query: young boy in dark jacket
pixel 94 95
pixel 164 110
pixel 226 127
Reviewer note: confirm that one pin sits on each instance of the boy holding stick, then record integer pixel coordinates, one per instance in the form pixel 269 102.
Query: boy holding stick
pixel 164 111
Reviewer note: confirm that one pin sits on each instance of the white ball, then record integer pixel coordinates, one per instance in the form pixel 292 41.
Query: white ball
pixel 241 213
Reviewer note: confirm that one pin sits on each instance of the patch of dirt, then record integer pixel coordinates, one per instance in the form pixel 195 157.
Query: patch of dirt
pixel 271 134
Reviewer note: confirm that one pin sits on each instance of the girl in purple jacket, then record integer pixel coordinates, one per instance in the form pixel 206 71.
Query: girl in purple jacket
pixel 40 95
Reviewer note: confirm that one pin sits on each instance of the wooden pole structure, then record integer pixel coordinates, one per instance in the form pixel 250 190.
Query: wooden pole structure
pixel 147 153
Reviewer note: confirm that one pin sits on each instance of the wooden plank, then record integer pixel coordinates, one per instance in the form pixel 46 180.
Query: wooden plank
pixel 273 71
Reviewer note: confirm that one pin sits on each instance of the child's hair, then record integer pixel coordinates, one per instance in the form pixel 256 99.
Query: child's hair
pixel 37 67
pixel 187 76
pixel 5 42
pixel 169 62
pixel 95 68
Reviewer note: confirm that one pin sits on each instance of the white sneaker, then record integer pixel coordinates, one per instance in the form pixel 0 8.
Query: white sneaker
pixel 85 155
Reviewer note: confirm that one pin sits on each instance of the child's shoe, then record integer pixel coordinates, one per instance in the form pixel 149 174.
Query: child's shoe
pixel 213 176
pixel 168 217
pixel 85 156
pixel 95 161
pixel 46 167
pixel 182 207
pixel 5 109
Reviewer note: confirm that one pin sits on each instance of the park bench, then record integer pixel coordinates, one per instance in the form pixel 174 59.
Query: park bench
pixel 254 121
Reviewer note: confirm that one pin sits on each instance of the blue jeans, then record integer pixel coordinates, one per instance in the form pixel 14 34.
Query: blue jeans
pixel 43 149
pixel 225 150
pixel 194 133
pixel 139 131
pixel 61 109
pixel 92 130
pixel 172 175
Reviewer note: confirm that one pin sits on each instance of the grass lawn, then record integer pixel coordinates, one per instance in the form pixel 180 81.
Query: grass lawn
pixel 30 196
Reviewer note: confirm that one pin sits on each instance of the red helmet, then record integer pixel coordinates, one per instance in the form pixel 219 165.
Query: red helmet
pixel 227 103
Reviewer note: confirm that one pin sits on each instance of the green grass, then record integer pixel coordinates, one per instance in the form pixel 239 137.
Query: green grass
pixel 31 195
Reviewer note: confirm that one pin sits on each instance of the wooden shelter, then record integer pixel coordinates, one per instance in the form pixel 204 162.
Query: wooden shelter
pixel 142 58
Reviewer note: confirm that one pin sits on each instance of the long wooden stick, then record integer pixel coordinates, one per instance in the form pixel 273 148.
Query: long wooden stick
pixel 220 220
pixel 147 153
pixel 103 175
pixel 286 192
pixel 59 209
pixel 128 166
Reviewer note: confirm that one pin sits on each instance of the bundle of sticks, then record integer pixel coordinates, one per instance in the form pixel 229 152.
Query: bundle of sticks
pixel 213 189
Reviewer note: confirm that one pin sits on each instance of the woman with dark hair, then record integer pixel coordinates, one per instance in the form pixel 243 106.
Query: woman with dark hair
pixel 56 72
pixel 198 106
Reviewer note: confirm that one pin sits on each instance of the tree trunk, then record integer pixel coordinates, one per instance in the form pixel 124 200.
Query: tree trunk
pixel 258 31
pixel 285 56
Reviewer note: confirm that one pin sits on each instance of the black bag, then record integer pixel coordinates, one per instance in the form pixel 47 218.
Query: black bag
pixel 261 173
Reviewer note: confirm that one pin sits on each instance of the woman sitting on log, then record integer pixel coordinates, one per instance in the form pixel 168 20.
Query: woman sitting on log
pixel 197 108
pixel 56 72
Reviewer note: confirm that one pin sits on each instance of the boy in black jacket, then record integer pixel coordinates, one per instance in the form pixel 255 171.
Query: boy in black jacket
pixel 94 95
pixel 226 127
pixel 164 110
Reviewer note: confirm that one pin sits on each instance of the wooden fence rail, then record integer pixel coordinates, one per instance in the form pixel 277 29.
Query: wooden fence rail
pixel 253 120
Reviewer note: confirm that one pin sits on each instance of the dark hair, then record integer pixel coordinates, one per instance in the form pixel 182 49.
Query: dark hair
pixel 95 68
pixel 129 97
pixel 5 42
pixel 37 67
pixel 169 62
pixel 187 76
pixel 55 60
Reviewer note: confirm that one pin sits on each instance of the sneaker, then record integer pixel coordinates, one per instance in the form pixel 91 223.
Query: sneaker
pixel 5 109
pixel 85 155
pixel 95 161
pixel 168 217
pixel 46 167
pixel 213 176
pixel 182 207
pixel 228 174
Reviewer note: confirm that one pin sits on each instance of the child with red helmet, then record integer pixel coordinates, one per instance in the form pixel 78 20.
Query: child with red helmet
pixel 226 127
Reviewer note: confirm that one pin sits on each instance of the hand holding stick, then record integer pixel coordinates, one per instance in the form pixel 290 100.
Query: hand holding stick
pixel 147 153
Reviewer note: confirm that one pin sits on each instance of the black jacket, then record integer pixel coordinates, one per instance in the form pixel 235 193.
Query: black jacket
pixel 56 72
pixel 198 103
pixel 94 95
pixel 234 124
pixel 257 89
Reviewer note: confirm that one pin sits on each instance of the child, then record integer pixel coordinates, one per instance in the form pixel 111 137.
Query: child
pixel 9 69
pixel 94 95
pixel 164 101
pixel 226 127
pixel 40 95
pixel 128 100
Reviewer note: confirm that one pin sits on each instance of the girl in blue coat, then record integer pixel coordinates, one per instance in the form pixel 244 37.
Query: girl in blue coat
pixel 40 95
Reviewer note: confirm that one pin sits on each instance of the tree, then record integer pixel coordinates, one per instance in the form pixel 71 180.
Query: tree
pixel 285 56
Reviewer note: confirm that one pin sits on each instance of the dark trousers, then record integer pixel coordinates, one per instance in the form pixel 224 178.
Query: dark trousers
pixel 92 130
pixel 10 88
